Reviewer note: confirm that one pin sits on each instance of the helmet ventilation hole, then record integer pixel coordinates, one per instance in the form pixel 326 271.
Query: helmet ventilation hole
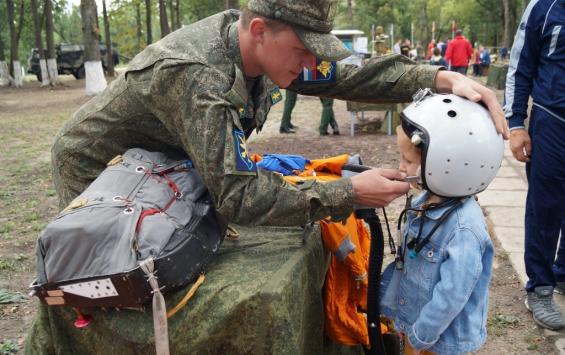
pixel 449 160
pixel 447 172
pixel 447 101
pixel 451 113
pixel 470 133
pixel 482 166
pixel 466 164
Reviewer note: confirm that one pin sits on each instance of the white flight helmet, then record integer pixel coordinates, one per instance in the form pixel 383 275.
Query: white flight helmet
pixel 461 150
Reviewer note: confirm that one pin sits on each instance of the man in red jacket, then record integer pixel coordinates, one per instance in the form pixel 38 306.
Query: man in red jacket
pixel 459 51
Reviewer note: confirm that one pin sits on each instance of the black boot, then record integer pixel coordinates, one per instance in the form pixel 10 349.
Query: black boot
pixel 286 130
pixel 291 126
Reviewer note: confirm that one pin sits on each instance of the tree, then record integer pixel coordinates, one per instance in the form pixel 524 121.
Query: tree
pixel 51 55
pixel 138 34
pixel 148 21
pixel 165 29
pixel 15 32
pixel 231 4
pixel 509 22
pixel 4 81
pixel 109 57
pixel 44 76
pixel 95 81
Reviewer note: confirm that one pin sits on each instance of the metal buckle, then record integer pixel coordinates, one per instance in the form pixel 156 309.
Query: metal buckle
pixel 421 94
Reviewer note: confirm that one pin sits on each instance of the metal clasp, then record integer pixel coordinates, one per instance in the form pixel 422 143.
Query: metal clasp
pixel 421 94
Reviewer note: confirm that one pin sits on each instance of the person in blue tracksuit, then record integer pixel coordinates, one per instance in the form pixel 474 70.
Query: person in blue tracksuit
pixel 537 69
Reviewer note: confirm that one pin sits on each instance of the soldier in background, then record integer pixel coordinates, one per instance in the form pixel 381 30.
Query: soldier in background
pixel 202 90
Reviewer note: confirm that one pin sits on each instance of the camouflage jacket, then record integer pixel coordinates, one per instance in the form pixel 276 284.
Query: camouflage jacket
pixel 187 95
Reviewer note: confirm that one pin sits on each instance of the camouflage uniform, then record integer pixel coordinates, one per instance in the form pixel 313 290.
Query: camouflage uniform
pixel 187 95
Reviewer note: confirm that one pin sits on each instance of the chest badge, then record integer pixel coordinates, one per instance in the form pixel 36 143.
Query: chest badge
pixel 319 71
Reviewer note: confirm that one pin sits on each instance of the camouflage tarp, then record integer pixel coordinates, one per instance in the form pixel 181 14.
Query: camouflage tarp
pixel 262 295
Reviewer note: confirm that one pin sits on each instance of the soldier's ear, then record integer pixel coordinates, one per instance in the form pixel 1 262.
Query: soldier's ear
pixel 257 28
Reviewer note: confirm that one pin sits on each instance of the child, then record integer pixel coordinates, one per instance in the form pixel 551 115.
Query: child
pixel 436 291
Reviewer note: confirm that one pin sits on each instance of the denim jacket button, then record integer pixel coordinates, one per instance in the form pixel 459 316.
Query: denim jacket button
pixel 401 301
pixel 430 253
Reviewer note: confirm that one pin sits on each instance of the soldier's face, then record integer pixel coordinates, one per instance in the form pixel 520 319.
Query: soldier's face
pixel 283 56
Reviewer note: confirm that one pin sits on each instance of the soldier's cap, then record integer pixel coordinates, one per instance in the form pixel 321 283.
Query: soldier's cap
pixel 312 22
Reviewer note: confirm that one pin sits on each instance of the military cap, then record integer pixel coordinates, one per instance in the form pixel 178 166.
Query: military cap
pixel 311 20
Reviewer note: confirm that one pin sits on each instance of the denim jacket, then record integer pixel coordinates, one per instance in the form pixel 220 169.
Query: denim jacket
pixel 440 298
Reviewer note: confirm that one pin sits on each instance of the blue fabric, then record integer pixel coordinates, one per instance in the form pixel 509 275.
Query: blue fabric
pixel 283 163
pixel 440 299
pixel 537 61
pixel 545 203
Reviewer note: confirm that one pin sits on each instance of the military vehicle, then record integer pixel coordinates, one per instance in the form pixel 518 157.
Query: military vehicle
pixel 69 60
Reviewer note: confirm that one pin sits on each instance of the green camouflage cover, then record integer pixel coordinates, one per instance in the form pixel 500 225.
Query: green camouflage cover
pixel 262 295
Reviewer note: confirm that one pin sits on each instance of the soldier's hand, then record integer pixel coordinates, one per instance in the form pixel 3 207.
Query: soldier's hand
pixel 378 187
pixel 521 145
pixel 461 85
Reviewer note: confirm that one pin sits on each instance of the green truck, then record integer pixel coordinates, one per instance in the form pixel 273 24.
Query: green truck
pixel 69 60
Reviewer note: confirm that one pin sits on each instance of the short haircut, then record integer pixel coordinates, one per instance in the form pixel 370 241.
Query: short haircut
pixel 248 15
pixel 459 32
pixel 437 51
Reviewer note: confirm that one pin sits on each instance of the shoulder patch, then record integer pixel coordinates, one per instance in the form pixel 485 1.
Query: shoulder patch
pixel 276 95
pixel 399 70
pixel 320 71
pixel 243 160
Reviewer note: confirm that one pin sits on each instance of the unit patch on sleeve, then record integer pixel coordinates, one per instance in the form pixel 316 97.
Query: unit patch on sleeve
pixel 276 95
pixel 320 71
pixel 243 162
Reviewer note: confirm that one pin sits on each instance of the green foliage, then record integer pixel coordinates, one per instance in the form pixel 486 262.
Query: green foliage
pixel 9 347
pixel 481 20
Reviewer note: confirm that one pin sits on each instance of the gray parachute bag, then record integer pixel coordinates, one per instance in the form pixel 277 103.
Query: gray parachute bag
pixel 145 218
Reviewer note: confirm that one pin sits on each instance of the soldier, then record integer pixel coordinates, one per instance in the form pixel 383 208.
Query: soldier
pixel 203 89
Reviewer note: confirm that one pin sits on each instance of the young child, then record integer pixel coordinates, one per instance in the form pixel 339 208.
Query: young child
pixel 436 291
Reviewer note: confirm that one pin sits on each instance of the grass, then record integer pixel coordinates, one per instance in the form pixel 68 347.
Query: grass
pixel 8 347
pixel 500 323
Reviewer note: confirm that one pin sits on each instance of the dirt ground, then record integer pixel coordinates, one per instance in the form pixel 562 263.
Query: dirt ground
pixel 31 116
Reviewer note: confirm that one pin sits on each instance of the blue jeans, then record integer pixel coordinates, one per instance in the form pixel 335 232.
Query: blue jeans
pixel 545 204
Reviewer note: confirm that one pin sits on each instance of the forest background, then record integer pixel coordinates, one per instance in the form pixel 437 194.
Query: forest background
pixel 133 24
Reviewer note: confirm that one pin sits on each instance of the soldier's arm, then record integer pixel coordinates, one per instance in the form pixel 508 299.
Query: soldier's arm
pixel 191 100
pixel 390 78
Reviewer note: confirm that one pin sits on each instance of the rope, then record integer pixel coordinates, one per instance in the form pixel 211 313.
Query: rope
pixel 187 297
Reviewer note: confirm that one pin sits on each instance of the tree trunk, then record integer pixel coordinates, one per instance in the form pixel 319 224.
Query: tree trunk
pixel 177 13
pixel 138 25
pixel 109 50
pixel 43 77
pixel 509 22
pixel 171 14
pixel 4 81
pixel 231 4
pixel 165 29
pixel 15 32
pixel 51 55
pixel 350 13
pixel 95 81
pixel 148 21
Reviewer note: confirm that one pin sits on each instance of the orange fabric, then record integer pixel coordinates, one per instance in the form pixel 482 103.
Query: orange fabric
pixel 345 288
